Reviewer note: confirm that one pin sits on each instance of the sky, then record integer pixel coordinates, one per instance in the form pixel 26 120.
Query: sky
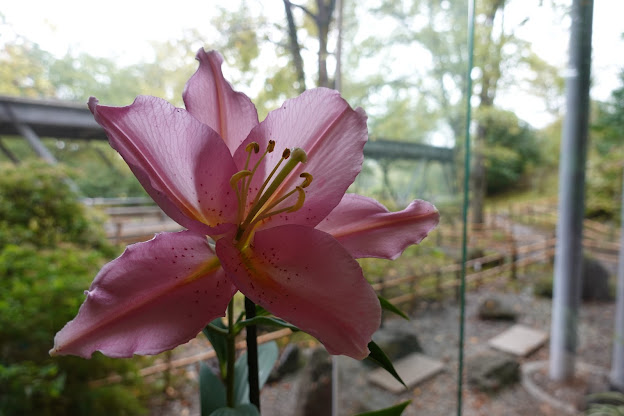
pixel 123 29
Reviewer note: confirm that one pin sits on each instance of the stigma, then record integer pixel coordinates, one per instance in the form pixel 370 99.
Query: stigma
pixel 270 199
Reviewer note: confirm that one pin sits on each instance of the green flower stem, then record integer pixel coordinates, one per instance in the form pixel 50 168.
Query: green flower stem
pixel 252 354
pixel 231 356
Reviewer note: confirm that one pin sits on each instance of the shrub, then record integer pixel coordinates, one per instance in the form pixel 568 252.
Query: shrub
pixel 50 250
pixel 38 207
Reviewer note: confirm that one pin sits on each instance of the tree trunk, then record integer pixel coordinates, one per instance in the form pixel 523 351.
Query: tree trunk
pixel 323 20
pixel 489 80
pixel 295 49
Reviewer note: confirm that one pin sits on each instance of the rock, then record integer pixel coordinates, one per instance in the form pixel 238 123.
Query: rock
pixel 495 309
pixel 289 362
pixel 595 282
pixel 595 279
pixel 543 287
pixel 397 339
pixel 491 371
pixel 314 391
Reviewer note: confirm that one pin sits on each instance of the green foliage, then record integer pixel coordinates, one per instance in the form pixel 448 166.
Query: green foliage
pixel 604 173
pixel 395 410
pixel 38 207
pixel 267 356
pixel 510 148
pixel 381 359
pixel 24 70
pixel 212 392
pixel 606 404
pixel 49 253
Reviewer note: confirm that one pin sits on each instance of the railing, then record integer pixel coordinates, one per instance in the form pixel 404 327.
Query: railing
pixel 132 219
pixel 512 254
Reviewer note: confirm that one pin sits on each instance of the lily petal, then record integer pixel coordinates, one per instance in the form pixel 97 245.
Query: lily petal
pixel 155 296
pixel 305 277
pixel 333 135
pixel 213 101
pixel 366 229
pixel 182 163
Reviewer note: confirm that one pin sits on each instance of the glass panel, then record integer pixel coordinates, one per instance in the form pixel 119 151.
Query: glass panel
pixel 405 62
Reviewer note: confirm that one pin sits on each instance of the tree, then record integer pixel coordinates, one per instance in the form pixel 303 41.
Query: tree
pixel 24 70
pixel 510 148
pixel 322 19
pixel 604 174
pixel 442 35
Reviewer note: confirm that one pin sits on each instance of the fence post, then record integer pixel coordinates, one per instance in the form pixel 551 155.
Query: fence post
pixel 514 258
pixel 552 256
pixel 168 389
pixel 413 300
pixel 458 282
pixel 118 232
pixel 438 288
pixel 382 294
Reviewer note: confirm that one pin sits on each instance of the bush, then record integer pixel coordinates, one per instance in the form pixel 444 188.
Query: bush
pixel 510 148
pixel 38 207
pixel 49 253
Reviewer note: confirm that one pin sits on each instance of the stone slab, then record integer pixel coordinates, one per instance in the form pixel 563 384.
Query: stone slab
pixel 519 340
pixel 413 369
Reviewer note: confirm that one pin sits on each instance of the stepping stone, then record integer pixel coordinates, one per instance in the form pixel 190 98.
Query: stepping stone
pixel 519 340
pixel 413 369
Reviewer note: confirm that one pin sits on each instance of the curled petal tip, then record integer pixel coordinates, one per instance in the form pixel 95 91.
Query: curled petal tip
pixel 92 104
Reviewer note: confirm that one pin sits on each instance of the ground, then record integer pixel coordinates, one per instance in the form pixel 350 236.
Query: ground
pixel 436 325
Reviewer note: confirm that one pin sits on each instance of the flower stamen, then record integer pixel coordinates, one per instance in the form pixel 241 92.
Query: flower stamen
pixel 267 199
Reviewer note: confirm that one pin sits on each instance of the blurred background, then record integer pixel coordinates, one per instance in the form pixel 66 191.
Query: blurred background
pixel 68 203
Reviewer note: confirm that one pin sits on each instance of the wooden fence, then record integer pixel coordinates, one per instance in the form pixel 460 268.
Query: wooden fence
pixel 509 255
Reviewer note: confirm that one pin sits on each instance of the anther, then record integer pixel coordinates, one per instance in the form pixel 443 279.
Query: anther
pixel 286 154
pixel 237 177
pixel 254 146
pixel 270 146
pixel 307 179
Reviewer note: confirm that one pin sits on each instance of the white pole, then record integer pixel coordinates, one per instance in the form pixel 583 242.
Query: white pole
pixel 569 250
pixel 617 361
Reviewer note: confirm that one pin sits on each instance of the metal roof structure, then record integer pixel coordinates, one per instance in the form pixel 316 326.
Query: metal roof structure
pixel 36 118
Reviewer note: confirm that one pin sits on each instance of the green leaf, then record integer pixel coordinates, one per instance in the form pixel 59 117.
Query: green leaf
pixel 264 320
pixel 219 343
pixel 385 304
pixel 247 409
pixel 211 390
pixel 260 311
pixel 395 410
pixel 380 358
pixel 267 356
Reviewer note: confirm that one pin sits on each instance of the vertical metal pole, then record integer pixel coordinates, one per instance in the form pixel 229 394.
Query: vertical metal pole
pixel 617 361
pixel 338 86
pixel 569 251
pixel 466 200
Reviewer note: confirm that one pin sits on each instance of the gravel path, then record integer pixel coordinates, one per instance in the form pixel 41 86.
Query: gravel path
pixel 436 325
pixel 437 329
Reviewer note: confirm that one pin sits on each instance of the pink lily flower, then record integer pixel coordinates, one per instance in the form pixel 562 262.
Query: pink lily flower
pixel 266 213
